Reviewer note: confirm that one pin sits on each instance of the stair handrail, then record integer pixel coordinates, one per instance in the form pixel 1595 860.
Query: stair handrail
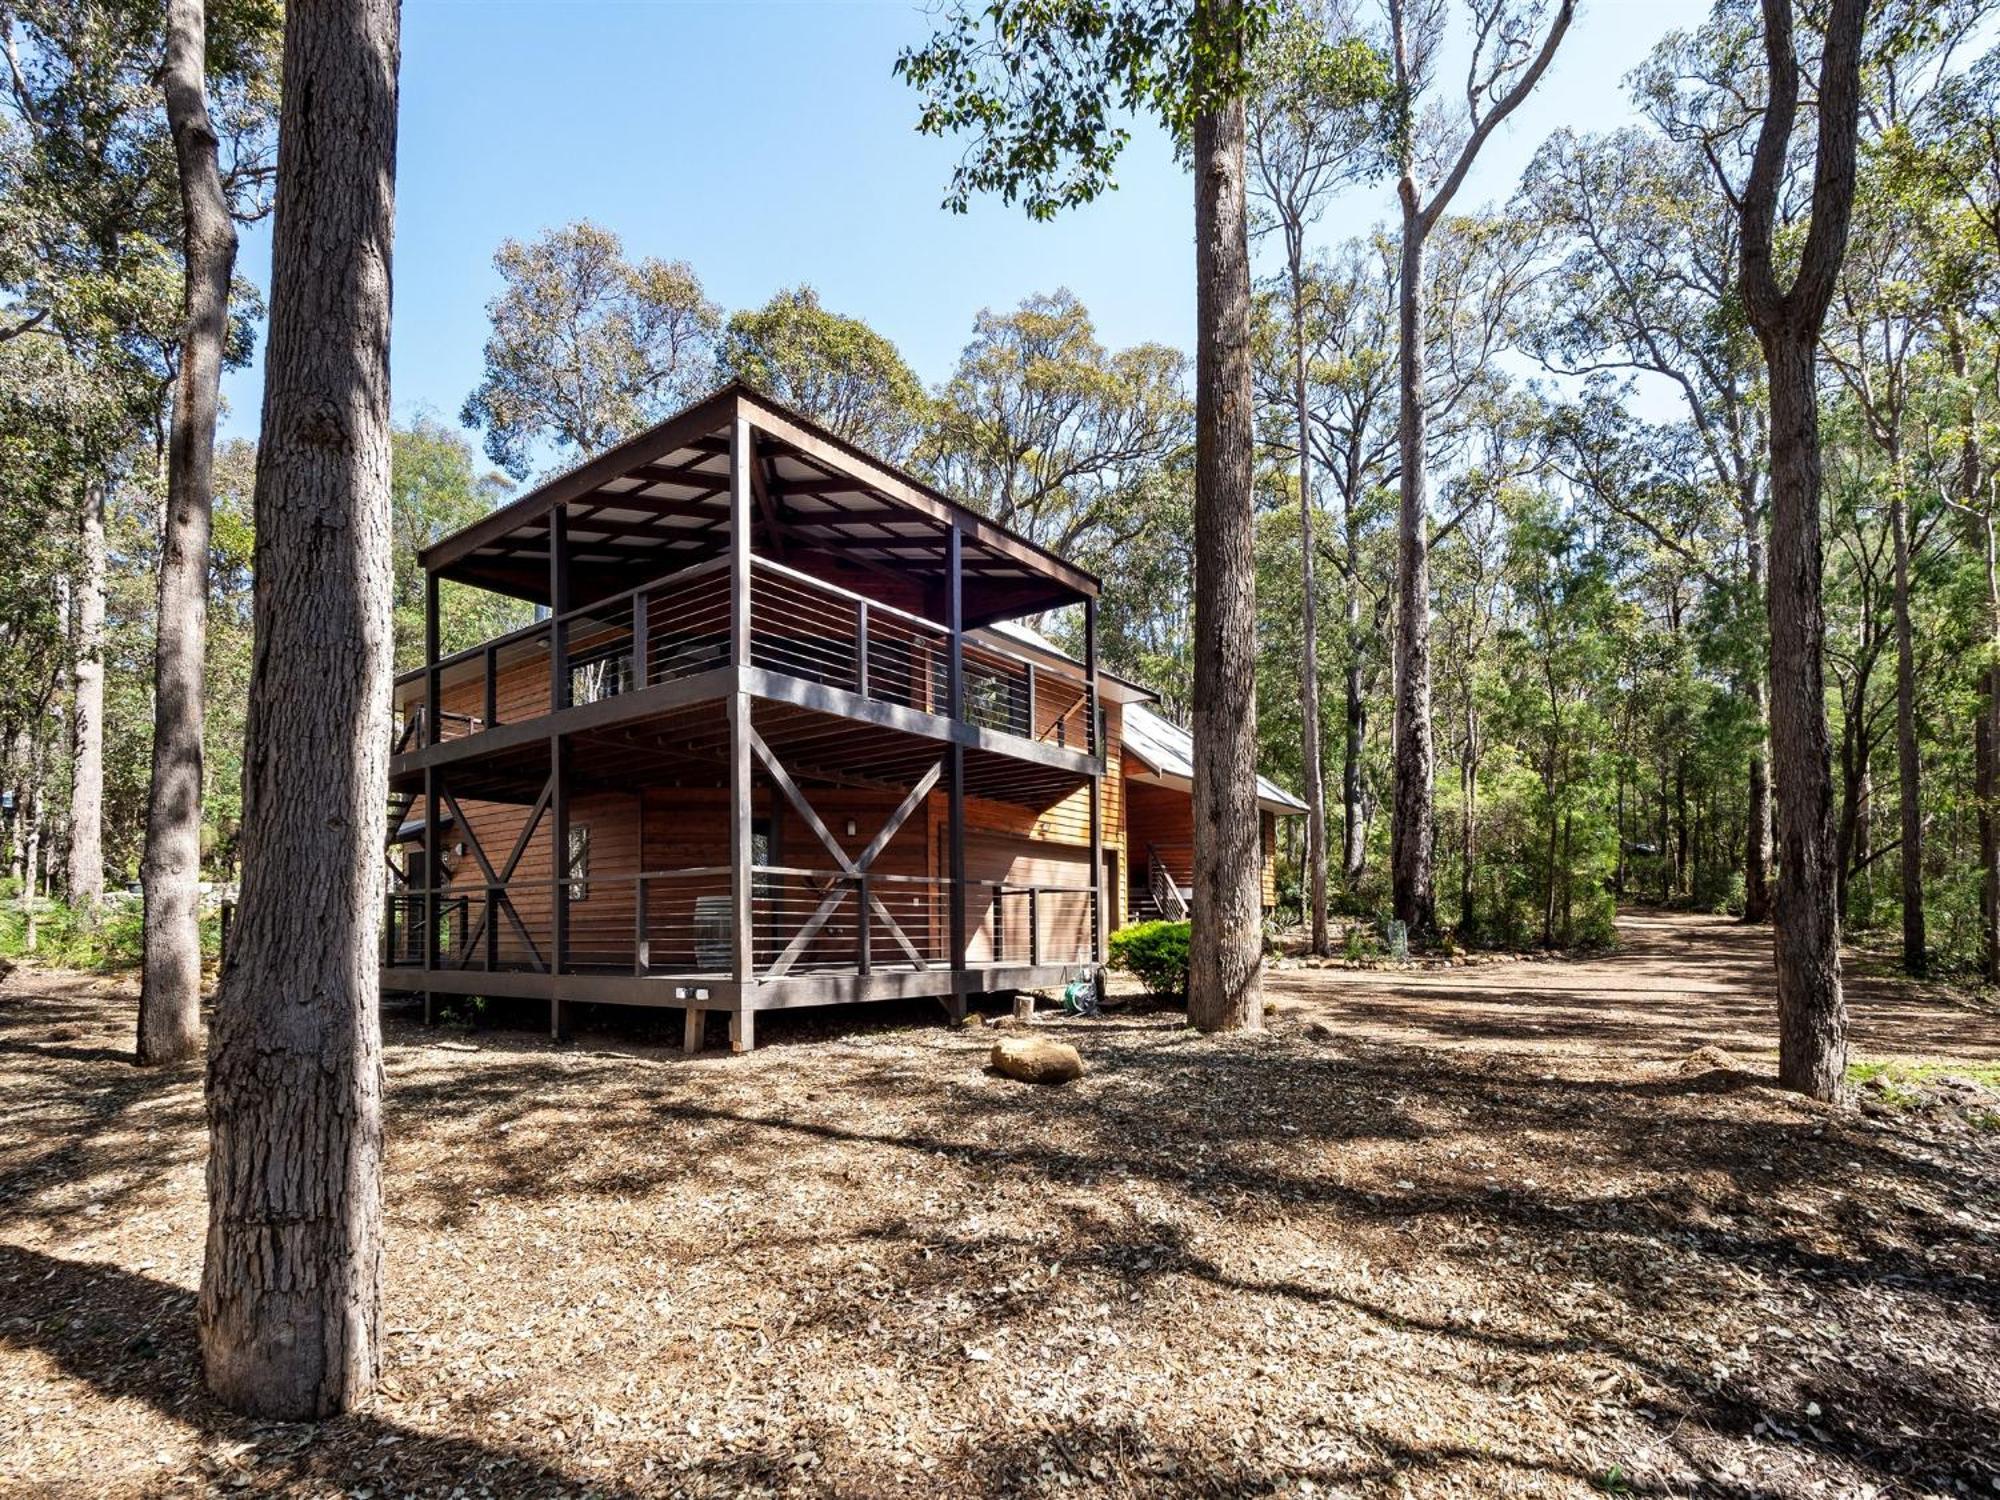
pixel 1166 892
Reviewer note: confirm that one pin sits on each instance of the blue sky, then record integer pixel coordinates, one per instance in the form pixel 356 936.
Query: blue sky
pixel 765 142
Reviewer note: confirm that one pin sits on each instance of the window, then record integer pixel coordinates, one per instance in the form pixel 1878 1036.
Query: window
pixel 579 861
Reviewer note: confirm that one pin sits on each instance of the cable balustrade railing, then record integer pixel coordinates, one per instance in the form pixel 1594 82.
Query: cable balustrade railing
pixel 681 922
pixel 678 626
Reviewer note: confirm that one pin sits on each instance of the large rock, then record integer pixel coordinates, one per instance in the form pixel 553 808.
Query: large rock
pixel 1036 1059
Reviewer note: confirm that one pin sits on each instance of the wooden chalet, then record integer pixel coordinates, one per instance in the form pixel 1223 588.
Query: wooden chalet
pixel 772 743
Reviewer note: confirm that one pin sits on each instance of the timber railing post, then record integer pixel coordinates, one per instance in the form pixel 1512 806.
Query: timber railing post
pixel 492 686
pixel 862 936
pixel 641 629
pixel 861 647
pixel 433 868
pixel 642 958
pixel 1030 730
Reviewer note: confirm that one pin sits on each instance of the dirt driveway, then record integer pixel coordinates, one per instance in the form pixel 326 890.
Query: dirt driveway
pixel 1304 1263
pixel 1679 981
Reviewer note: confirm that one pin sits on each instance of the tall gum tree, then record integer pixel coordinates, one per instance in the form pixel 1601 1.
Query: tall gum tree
pixel 586 347
pixel 1313 123
pixel 1812 1011
pixel 170 873
pixel 290 1303
pixel 1432 161
pixel 1036 85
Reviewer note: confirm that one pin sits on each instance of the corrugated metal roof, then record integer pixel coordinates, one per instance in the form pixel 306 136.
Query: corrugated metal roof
pixel 1169 750
pixel 1162 744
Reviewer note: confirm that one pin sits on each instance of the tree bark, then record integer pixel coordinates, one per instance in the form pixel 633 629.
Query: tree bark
pixel 1986 739
pixel 1413 892
pixel 1353 823
pixel 86 796
pixel 170 987
pixel 1909 784
pixel 1309 622
pixel 1812 1011
pixel 1757 820
pixel 1468 786
pixel 1225 964
pixel 291 1287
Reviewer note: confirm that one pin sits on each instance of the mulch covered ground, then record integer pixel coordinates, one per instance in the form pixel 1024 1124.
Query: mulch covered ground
pixel 1328 1259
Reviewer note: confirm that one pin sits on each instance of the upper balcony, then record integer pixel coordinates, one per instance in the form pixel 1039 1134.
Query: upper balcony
pixel 737 548
pixel 801 628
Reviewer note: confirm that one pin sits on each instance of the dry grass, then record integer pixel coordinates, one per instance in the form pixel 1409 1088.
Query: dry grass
pixel 855 1264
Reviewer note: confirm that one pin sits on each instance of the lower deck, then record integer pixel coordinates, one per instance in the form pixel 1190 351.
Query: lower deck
pixel 701 995
pixel 828 863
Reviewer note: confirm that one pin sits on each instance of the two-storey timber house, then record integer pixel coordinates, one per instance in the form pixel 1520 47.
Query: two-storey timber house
pixel 771 743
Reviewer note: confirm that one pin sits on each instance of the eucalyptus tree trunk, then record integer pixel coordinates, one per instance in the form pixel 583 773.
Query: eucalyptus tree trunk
pixel 1309 623
pixel 1812 1010
pixel 1225 963
pixel 1411 828
pixel 1468 830
pixel 1353 824
pixel 170 988
pixel 1757 823
pixel 86 793
pixel 1986 746
pixel 1353 819
pixel 1909 774
pixel 1987 790
pixel 291 1288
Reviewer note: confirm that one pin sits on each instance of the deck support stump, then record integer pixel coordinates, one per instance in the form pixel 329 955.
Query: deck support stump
pixel 1024 1005
pixel 693 1025
pixel 430 1009
pixel 742 1030
pixel 558 1021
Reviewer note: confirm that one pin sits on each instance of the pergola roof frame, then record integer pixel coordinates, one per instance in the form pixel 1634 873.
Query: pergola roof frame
pixel 906 528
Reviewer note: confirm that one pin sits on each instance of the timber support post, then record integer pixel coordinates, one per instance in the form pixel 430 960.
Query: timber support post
pixel 433 686
pixel 954 611
pixel 433 868
pixel 742 1023
pixel 1095 741
pixel 559 778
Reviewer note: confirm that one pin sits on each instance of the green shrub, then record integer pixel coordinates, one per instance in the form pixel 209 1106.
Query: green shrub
pixel 1155 951
pixel 111 941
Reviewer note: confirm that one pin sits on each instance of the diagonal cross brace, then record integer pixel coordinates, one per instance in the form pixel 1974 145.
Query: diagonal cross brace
pixel 853 868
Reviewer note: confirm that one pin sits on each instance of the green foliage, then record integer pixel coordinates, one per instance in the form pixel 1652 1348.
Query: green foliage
pixel 1036 85
pixel 586 347
pixel 435 488
pixel 835 369
pixel 110 941
pixel 1155 951
pixel 1056 436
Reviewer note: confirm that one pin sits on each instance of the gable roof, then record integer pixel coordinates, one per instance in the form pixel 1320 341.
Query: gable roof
pixel 1167 751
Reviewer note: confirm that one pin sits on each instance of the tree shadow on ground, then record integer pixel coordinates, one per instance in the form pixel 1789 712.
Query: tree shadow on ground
pixel 1624 1222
